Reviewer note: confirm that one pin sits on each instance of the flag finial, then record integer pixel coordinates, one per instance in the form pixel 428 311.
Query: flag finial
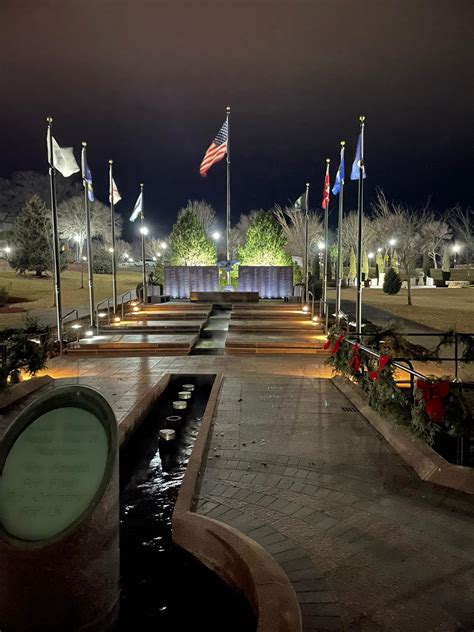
pixel 141 185
pixel 227 109
pixel 111 162
pixel 343 142
pixel 84 144
pixel 362 118
pixel 328 160
pixel 307 184
pixel 49 119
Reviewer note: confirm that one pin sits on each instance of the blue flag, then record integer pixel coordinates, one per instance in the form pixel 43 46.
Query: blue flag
pixel 90 188
pixel 339 175
pixel 358 161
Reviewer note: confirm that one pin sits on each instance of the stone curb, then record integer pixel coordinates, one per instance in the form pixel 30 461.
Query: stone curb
pixel 238 559
pixel 427 463
pixel 19 391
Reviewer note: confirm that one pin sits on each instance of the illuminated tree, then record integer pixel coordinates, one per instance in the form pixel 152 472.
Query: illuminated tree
pixel 265 244
pixel 188 244
pixel 31 239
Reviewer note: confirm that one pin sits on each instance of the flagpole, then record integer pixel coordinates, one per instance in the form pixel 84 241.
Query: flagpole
pixel 112 225
pixel 306 245
pixel 326 238
pixel 54 222
pixel 339 240
pixel 360 213
pixel 90 273
pixel 143 232
pixel 228 198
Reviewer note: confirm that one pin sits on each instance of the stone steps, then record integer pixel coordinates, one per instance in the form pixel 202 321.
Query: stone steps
pixel 133 344
pixel 155 326
pixel 288 343
pixel 275 326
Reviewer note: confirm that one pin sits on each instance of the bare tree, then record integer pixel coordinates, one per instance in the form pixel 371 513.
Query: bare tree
pixel 434 235
pixel 405 224
pixel 72 221
pixel 292 223
pixel 462 221
pixel 122 250
pixel 205 214
pixel 349 230
pixel 153 248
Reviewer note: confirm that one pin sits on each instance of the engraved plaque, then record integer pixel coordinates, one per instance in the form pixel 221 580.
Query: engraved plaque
pixel 55 464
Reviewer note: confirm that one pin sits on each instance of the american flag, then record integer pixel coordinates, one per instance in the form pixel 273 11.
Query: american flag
pixel 216 150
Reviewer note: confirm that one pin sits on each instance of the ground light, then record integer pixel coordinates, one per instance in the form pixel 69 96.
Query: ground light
pixel 116 319
pixel 315 319
pixel 89 333
pixel 305 308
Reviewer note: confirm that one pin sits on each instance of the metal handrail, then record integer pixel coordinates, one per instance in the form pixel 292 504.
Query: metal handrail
pixel 63 318
pixel 129 293
pixel 105 301
pixel 324 311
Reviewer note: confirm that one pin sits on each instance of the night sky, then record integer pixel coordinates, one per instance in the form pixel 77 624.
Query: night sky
pixel 147 83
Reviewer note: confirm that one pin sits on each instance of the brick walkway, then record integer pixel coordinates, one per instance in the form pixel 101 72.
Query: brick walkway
pixel 366 544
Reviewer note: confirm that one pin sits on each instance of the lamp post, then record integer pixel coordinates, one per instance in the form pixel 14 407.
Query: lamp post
pixel 391 243
pixel 455 252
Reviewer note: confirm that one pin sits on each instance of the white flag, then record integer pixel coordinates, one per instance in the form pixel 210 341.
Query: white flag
pixel 115 193
pixel 63 158
pixel 137 208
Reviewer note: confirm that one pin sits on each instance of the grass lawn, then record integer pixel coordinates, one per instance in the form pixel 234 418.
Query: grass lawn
pixel 39 292
pixel 440 308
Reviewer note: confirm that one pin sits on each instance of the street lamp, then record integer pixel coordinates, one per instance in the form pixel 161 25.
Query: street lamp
pixel 456 249
pixel 163 245
pixel 391 243
pixel 216 235
pixel 144 230
pixel 8 250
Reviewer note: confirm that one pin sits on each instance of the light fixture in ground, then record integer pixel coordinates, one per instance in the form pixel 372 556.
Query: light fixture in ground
pixel 305 308
pixel 89 333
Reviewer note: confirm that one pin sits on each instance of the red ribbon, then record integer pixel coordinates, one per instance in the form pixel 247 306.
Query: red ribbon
pixel 337 344
pixel 327 344
pixel 355 360
pixel 383 361
pixel 434 394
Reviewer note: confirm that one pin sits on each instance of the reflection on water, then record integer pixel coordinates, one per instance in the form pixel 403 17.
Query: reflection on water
pixel 162 586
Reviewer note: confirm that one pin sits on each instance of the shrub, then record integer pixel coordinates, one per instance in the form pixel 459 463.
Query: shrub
pixel 392 282
pixel 102 262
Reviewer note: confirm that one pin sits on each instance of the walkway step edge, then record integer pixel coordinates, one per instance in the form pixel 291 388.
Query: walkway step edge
pixel 236 558
pixel 427 463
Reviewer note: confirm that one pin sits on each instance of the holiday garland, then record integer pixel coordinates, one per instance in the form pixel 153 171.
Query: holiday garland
pixel 436 405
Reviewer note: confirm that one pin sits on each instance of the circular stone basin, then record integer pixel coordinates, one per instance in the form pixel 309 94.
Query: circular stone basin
pixel 180 405
pixel 167 434
pixel 184 394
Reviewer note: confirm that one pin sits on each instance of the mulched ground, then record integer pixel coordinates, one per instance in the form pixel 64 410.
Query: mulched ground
pixel 11 310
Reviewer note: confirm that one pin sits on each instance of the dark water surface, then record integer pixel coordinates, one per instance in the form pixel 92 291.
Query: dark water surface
pixel 164 588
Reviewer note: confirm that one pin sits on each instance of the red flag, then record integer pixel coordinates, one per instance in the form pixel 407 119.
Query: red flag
pixel 327 188
pixel 216 150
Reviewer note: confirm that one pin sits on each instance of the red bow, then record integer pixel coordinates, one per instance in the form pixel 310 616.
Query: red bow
pixel 327 344
pixel 355 361
pixel 434 394
pixel 383 361
pixel 337 344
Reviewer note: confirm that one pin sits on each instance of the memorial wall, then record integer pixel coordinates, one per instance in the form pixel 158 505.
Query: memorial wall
pixel 268 281
pixel 181 280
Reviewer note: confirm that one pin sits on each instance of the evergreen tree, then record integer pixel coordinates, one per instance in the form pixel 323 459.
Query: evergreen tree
pixel 395 261
pixel 102 261
pixel 352 265
pixel 189 245
pixel 379 263
pixel 392 282
pixel 31 239
pixel 365 265
pixel 265 244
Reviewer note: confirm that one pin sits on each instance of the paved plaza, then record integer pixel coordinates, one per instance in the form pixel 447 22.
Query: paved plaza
pixel 366 544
